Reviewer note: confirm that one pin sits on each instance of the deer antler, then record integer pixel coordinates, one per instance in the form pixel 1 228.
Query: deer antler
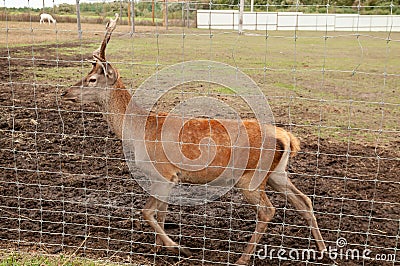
pixel 100 53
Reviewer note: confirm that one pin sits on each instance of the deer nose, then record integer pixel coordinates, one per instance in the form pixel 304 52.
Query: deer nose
pixel 65 95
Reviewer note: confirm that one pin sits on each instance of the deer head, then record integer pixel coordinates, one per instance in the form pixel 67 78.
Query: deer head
pixel 95 87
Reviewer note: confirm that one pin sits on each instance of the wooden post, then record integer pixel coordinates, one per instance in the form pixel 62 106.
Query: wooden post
pixel 241 10
pixel 152 11
pixel 120 12
pixel 195 15
pixel 183 15
pixel 187 14
pixel 78 19
pixel 131 14
pixel 165 14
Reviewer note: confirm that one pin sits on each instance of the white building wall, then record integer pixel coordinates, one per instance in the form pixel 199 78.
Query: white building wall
pixel 229 19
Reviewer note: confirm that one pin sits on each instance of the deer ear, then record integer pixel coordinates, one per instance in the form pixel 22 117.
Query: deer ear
pixel 110 72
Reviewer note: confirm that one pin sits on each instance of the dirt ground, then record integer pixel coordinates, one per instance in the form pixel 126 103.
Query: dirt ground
pixel 64 184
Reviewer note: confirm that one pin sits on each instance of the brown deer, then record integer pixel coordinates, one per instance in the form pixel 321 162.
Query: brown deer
pixel 103 86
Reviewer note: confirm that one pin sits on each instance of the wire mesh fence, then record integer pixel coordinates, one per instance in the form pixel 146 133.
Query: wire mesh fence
pixel 66 189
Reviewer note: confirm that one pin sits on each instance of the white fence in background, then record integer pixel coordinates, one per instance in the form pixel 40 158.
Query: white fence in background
pixel 229 19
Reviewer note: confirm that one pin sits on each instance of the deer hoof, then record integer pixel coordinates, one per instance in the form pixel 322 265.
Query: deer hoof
pixel 241 261
pixel 185 251
pixel 159 245
pixel 180 250
pixel 157 248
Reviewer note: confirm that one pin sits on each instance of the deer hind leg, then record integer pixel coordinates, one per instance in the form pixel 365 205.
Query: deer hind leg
pixel 280 182
pixel 265 213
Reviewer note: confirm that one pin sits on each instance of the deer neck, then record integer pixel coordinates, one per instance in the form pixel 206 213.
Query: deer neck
pixel 115 107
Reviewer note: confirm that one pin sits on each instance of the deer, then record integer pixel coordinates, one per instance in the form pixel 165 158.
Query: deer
pixel 47 17
pixel 104 87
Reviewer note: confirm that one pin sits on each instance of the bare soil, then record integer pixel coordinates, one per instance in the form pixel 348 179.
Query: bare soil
pixel 64 184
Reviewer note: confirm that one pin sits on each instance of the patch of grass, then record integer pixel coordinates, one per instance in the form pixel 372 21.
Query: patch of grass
pixel 317 76
pixel 222 90
pixel 284 85
pixel 34 259
pixel 52 75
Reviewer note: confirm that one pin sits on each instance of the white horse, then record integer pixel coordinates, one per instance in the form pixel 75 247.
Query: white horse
pixel 49 18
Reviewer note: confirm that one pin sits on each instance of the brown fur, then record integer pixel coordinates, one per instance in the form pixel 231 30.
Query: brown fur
pixel 195 130
pixel 108 90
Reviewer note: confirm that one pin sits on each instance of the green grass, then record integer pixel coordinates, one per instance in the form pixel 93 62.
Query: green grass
pixel 329 82
pixel 54 74
pixel 35 259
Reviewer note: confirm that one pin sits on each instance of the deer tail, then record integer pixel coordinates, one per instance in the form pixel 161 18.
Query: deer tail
pixel 294 144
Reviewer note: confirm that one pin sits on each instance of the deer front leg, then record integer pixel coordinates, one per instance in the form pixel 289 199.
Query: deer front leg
pixel 149 212
pixel 161 214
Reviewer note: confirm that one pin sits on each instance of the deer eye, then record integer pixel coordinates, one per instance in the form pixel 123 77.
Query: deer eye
pixel 92 79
